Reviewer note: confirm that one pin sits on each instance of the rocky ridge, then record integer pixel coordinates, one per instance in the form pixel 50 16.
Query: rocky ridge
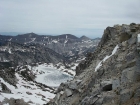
pixel 108 76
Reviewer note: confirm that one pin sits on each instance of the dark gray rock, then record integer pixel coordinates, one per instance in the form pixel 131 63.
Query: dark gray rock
pixel 93 100
pixel 132 41
pixel 13 101
pixel 137 93
pixel 124 36
pixel 125 95
pixel 128 75
pixel 85 101
pixel 115 84
pixel 5 89
pixel 108 98
pixel 73 85
pixel 99 101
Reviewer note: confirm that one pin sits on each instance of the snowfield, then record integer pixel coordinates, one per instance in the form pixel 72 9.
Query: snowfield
pixel 27 91
pixel 31 91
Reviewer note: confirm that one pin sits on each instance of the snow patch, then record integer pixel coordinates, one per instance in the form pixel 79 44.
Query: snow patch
pixel 100 63
pixel 65 42
pixel 48 74
pixel 9 50
pixel 10 39
pixel 6 104
pixel 33 39
pixel 55 41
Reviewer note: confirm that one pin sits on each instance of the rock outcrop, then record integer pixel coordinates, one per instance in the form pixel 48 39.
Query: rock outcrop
pixel 108 76
pixel 13 101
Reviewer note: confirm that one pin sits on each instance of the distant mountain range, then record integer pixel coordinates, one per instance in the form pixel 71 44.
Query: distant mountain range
pixel 66 44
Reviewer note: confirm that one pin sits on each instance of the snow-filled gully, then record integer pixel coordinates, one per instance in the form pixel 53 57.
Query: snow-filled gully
pixel 100 63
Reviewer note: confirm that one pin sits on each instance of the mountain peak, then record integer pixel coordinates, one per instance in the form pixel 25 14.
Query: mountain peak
pixel 84 38
pixel 29 34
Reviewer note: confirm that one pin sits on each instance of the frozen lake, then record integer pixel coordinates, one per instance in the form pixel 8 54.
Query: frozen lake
pixel 51 76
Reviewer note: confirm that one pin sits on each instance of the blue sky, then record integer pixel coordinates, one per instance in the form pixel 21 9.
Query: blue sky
pixel 77 17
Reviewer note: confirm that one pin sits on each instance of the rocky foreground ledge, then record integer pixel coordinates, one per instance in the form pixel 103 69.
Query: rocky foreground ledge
pixel 110 75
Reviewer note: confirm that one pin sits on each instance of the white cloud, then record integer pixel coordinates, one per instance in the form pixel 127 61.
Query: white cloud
pixel 66 16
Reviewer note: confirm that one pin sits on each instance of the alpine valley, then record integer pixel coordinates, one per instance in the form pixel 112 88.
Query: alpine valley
pixel 33 66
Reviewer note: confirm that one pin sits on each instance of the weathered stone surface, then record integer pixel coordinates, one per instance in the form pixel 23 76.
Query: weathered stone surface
pixel 132 41
pixel 5 89
pixel 129 57
pixel 13 101
pixel 108 98
pixel 125 44
pixel 137 93
pixel 128 75
pixel 137 70
pixel 100 72
pixel 124 36
pixel 73 85
pixel 125 28
pixel 99 101
pixel 56 99
pixel 89 100
pixel 93 100
pixel 125 95
pixel 115 84
pixel 85 101
pixel 68 92
pixel 60 88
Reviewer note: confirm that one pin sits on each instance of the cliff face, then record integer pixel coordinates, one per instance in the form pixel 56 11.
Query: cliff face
pixel 110 75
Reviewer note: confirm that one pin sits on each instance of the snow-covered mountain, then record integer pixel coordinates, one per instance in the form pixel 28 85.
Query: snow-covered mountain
pixel 66 44
pixel 14 54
